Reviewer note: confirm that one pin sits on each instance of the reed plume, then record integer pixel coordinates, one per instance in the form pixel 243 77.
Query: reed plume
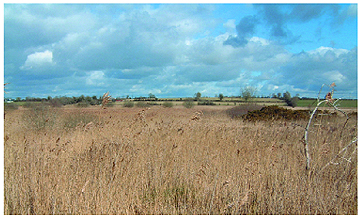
pixel 105 99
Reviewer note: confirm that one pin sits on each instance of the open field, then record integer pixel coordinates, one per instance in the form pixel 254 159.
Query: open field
pixel 174 161
pixel 342 103
pixel 227 101
pixel 346 103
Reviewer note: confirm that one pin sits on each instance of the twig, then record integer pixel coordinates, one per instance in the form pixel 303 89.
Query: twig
pixel 331 102
pixel 338 154
pixel 307 154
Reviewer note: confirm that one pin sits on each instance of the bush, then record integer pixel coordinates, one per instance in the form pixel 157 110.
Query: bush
pixel 30 104
pixel 289 100
pixel 207 102
pixel 168 104
pixel 128 104
pixel 83 104
pixel 10 106
pixel 188 104
pixel 275 113
pixel 72 120
pixel 142 104
pixel 40 116
pixel 110 104
pixel 55 102
pixel 238 111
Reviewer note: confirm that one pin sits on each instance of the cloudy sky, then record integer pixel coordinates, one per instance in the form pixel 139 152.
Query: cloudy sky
pixel 176 50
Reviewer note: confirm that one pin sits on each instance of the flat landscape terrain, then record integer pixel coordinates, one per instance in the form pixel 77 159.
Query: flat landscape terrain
pixel 175 160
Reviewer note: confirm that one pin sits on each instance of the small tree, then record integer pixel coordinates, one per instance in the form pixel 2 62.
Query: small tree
pixel 221 97
pixel 197 96
pixel 152 96
pixel 290 101
pixel 248 92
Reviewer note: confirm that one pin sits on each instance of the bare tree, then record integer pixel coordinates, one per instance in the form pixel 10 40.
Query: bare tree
pixel 331 102
pixel 248 92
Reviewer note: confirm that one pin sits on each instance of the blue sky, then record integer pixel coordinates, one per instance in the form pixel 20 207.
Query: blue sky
pixel 176 50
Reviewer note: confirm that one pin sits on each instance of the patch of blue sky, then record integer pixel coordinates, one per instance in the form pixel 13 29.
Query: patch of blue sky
pixel 255 73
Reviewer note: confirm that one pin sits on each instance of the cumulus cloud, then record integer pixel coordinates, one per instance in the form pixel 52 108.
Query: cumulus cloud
pixel 95 78
pixel 38 59
pixel 323 65
pixel 169 50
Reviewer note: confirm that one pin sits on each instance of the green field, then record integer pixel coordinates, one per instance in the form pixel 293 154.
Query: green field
pixel 342 103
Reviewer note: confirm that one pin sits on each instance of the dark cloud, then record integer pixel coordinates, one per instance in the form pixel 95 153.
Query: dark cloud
pixel 279 16
pixel 169 50
pixel 307 12
pixel 274 18
pixel 236 41
pixel 345 14
pixel 245 29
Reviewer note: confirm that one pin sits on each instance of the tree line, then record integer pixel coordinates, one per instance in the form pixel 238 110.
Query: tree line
pixel 247 94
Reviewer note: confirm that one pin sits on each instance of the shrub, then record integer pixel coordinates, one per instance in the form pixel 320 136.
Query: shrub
pixel 289 100
pixel 72 120
pixel 83 104
pixel 152 103
pixel 142 104
pixel 188 104
pixel 10 106
pixel 40 116
pixel 238 111
pixel 168 104
pixel 275 113
pixel 30 104
pixel 128 104
pixel 55 102
pixel 207 102
pixel 353 114
pixel 110 104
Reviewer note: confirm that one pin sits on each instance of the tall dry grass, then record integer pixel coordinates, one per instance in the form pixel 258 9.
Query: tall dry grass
pixel 175 161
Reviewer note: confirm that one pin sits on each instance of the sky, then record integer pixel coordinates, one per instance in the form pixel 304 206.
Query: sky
pixel 177 50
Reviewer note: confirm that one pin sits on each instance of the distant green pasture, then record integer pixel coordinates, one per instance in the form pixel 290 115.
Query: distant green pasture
pixel 341 103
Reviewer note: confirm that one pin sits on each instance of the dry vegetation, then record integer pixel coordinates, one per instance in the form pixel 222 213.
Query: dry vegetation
pixel 174 161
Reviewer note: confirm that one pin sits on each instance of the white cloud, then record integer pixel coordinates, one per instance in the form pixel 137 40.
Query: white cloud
pixel 322 51
pixel 335 76
pixel 230 26
pixel 166 50
pixel 38 59
pixel 95 78
pixel 262 41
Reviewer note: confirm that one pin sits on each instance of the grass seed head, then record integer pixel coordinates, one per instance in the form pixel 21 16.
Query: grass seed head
pixel 105 99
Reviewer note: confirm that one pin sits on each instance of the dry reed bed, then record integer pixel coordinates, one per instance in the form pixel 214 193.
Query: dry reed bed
pixel 174 161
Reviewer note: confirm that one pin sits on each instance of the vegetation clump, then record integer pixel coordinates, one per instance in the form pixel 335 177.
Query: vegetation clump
pixel 206 102
pixel 83 104
pixel 275 113
pixel 168 104
pixel 239 111
pixel 188 104
pixel 10 106
pixel 128 104
pixel 142 104
pixel 40 116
